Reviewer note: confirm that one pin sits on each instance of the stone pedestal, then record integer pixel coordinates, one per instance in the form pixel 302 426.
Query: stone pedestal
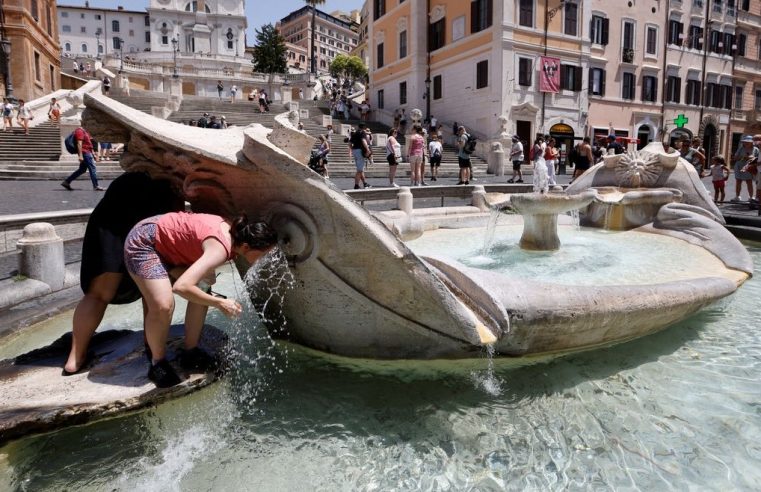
pixel 345 129
pixel 404 200
pixel 304 114
pixel 286 95
pixel 175 87
pixel 41 255
pixel 67 125
pixel 496 164
pixel 327 120
pixel 478 198
pixel 121 85
pixel 380 139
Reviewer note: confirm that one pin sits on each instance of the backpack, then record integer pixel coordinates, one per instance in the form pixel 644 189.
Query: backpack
pixel 71 144
pixel 436 153
pixel 470 144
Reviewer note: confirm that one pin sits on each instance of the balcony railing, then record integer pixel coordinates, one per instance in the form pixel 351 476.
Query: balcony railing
pixel 627 55
pixel 731 11
pixel 717 7
pixel 738 114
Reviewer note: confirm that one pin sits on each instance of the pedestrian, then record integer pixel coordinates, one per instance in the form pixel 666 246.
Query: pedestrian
pixel 104 151
pixel 614 148
pixel 463 158
pixel 433 123
pixel 692 155
pixel 203 121
pixel 360 152
pixel 75 67
pixel 252 95
pixel 220 88
pixel 223 122
pixel 54 110
pixel 106 84
pixel 87 69
pixel 584 158
pixel 301 93
pixel 300 126
pixel 719 175
pixel 402 121
pixel 745 156
pixel 233 92
pixel 200 243
pixel 103 276
pixel 397 117
pixel 369 138
pixel 434 155
pixel 86 160
pixel 415 155
pixel 330 134
pixel 516 156
pixel 24 116
pixel 393 156
pixel 347 110
pixel 323 152
pixel 551 158
pixel 7 115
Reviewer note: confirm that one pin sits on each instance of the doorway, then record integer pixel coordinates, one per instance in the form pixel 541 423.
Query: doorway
pixel 643 137
pixel 710 142
pixel 523 130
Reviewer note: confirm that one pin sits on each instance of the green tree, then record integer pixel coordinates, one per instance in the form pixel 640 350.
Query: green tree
pixel 313 51
pixel 338 67
pixel 269 51
pixel 348 67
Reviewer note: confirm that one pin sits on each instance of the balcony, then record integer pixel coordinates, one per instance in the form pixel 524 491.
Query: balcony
pixel 627 55
pixel 717 8
pixel 731 12
pixel 738 115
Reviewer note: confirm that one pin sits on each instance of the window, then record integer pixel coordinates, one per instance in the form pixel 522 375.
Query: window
pixel 37 74
pixel 726 93
pixel 710 94
pixel 695 39
pixel 164 40
pixel 402 92
pixel 570 77
pixel 66 28
pixel 132 33
pixel 83 29
pixel 693 92
pixel 84 48
pixel 64 14
pixel 130 19
pixel 524 72
pixel 715 39
pixel 745 5
pixel 437 87
pixel 98 17
pixel 51 70
pixel 379 8
pixel 673 89
pixel 49 24
pixel 436 37
pixel 379 57
pixel 757 102
pixel 675 32
pixel 67 47
pixel 742 40
pixel 526 13
pixel 627 86
pixel 100 49
pixel 402 44
pixel 481 14
pixel 649 88
pixel 570 26
pixel 739 96
pixel 599 30
pixel 35 15
pixel 379 99
pixel 482 74
pixel 628 43
pixel 596 82
pixel 116 44
pixel 729 41
pixel 147 36
pixel 147 21
pixel 115 26
pixel 651 40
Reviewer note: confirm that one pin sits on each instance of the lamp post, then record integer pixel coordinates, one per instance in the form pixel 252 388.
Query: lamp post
pixel 428 98
pixel 97 44
pixel 175 43
pixel 121 54
pixel 6 44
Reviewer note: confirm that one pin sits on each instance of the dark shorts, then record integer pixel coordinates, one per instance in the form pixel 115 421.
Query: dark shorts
pixel 435 161
pixel 582 165
pixel 517 165
pixel 140 254
pixel 391 158
pixel 719 185
pixel 464 163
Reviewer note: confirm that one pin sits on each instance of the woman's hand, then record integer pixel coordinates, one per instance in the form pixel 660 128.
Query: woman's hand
pixel 229 307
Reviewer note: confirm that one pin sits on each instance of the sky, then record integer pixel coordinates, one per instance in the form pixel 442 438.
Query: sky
pixel 259 12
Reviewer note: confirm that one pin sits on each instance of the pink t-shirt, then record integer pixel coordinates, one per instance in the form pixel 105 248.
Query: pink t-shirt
pixel 180 236
pixel 416 145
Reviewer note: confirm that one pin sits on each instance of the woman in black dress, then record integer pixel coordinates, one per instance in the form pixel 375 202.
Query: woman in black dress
pixel 131 198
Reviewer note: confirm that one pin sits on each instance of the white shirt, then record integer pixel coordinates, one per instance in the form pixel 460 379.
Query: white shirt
pixel 516 147
pixel 434 122
pixel 434 145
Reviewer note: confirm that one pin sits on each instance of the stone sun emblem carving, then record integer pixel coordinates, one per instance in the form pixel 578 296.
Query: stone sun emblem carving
pixel 638 169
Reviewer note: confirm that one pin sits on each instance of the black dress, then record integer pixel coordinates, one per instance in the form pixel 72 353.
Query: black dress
pixel 129 199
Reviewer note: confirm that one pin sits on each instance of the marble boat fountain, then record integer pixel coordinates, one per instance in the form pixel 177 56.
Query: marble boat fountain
pixel 360 291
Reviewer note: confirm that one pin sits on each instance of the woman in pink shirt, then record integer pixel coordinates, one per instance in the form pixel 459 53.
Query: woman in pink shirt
pixel 191 246
pixel 416 151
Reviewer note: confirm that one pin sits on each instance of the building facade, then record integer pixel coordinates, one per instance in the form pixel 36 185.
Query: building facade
pixel 362 50
pixel 746 117
pixel 627 47
pixel 95 32
pixel 334 36
pixel 31 53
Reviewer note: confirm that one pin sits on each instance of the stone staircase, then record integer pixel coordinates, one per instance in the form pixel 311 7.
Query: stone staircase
pixel 240 113
pixel 42 144
pixel 142 100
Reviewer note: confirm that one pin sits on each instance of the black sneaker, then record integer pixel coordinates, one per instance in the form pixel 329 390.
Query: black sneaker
pixel 519 181
pixel 356 187
pixel 66 185
pixel 163 375
pixel 368 185
pixel 196 359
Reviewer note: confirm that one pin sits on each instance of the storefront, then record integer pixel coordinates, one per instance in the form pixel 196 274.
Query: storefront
pixel 564 140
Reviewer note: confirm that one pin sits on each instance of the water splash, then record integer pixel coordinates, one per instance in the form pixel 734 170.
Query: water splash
pixel 486 379
pixel 576 221
pixel 491 228
pixel 541 177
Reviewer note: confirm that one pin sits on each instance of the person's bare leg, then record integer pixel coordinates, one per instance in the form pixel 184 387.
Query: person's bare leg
pixel 749 185
pixel 159 299
pixel 391 174
pixel 88 315
pixel 738 188
pixel 195 317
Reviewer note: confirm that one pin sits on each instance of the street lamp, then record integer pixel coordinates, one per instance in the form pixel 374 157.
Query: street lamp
pixel 428 98
pixel 175 43
pixel 6 43
pixel 121 54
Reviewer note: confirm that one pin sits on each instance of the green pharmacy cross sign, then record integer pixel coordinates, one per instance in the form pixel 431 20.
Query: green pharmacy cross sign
pixel 680 121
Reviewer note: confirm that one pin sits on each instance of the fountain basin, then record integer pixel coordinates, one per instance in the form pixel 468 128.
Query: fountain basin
pixel 620 208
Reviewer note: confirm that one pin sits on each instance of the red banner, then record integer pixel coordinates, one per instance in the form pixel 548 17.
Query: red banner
pixel 549 74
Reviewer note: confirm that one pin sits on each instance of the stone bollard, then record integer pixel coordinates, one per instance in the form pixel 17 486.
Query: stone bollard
pixel 326 120
pixel 479 198
pixel 404 199
pixel 497 162
pixel 41 255
pixel 175 87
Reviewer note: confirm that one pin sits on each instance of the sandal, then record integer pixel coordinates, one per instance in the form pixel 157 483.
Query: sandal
pixel 89 359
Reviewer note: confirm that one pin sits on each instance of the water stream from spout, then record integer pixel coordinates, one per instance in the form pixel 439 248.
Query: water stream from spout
pixel 491 228
pixel 487 379
pixel 575 219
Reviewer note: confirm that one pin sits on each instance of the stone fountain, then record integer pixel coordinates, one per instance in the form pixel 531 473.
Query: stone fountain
pixel 362 292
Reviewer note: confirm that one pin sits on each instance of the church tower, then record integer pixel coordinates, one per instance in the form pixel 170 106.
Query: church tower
pixel 201 27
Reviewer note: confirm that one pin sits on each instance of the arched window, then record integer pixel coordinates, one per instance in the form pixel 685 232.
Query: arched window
pixel 67 47
pixel 115 26
pixel 193 7
pixel 100 49
pixel 229 37
pixel 84 48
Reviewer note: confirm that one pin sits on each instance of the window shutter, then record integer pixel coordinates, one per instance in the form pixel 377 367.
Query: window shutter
pixel 489 12
pixel 474 16
pixel 643 96
pixel 563 73
pixel 589 81
pixel 602 83
pixel 605 30
pixel 577 79
pixel 678 90
pixel 680 31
